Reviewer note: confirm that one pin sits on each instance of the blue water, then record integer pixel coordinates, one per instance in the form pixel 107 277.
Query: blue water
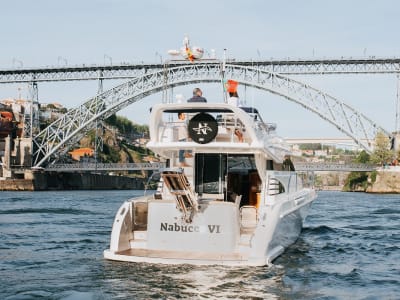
pixel 51 246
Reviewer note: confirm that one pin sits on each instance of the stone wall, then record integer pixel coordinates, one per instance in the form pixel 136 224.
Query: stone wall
pixel 42 181
pixel 386 182
pixel 16 185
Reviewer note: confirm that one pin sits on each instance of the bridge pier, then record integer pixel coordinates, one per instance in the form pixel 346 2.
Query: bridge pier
pixel 396 142
pixel 16 157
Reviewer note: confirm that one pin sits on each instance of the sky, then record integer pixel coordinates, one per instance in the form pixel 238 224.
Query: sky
pixel 55 33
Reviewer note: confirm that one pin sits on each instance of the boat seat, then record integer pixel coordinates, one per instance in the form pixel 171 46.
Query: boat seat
pixel 178 184
pixel 139 215
pixel 248 216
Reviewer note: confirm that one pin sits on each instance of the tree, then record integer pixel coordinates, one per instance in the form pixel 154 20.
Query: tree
pixel 363 157
pixel 382 153
pixel 125 126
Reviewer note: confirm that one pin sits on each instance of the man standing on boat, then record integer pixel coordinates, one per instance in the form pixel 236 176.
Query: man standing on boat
pixel 287 164
pixel 197 96
pixel 182 137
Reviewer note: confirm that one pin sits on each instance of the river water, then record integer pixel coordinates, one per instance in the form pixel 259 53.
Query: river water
pixel 51 246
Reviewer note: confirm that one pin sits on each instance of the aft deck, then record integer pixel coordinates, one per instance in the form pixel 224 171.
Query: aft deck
pixel 180 257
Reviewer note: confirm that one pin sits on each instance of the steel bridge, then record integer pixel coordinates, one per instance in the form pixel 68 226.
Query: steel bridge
pixel 334 167
pixel 369 65
pixel 58 137
pixel 109 167
pixel 104 167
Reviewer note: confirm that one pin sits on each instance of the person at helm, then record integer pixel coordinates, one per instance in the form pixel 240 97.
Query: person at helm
pixel 197 96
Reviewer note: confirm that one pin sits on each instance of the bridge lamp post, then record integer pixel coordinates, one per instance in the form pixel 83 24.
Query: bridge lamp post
pixel 21 64
pixel 396 142
pixel 397 125
pixel 158 55
pixel 60 58
pixel 107 57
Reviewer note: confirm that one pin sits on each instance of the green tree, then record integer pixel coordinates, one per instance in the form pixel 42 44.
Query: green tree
pixel 382 153
pixel 363 157
pixel 125 126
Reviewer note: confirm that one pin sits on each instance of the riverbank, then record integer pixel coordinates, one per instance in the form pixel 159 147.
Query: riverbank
pixel 381 181
pixel 387 181
pixel 72 181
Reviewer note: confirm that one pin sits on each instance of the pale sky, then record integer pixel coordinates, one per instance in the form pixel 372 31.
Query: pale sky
pixel 75 32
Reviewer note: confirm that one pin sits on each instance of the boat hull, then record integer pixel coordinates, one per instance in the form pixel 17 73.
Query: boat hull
pixel 277 228
pixel 235 200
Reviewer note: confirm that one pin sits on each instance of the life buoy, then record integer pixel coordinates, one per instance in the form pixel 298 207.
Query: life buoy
pixel 203 128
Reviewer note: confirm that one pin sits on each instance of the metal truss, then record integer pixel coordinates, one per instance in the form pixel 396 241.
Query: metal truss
pixel 57 138
pixel 75 73
pixel 332 66
pixel 294 67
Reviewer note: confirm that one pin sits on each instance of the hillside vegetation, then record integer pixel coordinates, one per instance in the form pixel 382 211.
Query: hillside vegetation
pixel 122 142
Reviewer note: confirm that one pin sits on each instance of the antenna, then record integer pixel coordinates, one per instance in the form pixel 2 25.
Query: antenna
pixel 223 76
pixel 397 125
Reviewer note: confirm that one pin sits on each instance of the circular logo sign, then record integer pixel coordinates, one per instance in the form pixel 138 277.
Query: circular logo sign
pixel 203 128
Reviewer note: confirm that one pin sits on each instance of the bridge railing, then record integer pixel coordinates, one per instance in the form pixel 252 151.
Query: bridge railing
pixel 103 167
pixel 334 167
pixel 371 65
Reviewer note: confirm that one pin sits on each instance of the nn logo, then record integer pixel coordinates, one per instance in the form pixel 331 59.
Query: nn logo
pixel 203 128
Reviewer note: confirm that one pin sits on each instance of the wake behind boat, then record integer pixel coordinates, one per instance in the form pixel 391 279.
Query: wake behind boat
pixel 231 202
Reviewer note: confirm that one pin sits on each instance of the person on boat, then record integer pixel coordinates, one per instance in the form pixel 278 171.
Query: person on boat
pixel 287 164
pixel 233 99
pixel 239 134
pixel 231 88
pixel 182 137
pixel 197 96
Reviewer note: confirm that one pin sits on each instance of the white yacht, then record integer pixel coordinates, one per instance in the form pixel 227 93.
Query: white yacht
pixel 232 203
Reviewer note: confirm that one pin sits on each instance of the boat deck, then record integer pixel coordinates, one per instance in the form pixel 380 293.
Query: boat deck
pixel 184 256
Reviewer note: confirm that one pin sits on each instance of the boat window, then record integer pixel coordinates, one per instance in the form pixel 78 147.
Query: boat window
pixel 231 175
pixel 210 173
pixel 241 163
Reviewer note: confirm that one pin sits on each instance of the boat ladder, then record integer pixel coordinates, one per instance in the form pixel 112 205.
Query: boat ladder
pixel 179 186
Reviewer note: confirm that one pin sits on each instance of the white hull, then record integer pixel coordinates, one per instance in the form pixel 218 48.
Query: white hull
pixel 231 203
pixel 278 225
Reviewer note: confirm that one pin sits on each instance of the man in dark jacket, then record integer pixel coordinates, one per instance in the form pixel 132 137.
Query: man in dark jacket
pixel 197 96
pixel 287 164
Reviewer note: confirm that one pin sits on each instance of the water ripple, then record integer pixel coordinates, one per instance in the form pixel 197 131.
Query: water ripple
pixel 51 247
pixel 62 211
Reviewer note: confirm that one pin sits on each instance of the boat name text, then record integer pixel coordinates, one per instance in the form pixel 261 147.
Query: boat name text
pixel 190 228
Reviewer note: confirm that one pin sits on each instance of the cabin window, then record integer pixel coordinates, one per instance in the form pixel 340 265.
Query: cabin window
pixel 230 175
pixel 210 173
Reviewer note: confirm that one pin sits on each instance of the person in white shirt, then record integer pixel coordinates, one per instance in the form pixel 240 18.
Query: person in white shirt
pixel 182 137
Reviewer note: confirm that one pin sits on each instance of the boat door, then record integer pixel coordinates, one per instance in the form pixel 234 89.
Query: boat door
pixel 228 175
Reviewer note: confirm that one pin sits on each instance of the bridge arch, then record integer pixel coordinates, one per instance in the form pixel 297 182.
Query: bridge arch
pixel 59 136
